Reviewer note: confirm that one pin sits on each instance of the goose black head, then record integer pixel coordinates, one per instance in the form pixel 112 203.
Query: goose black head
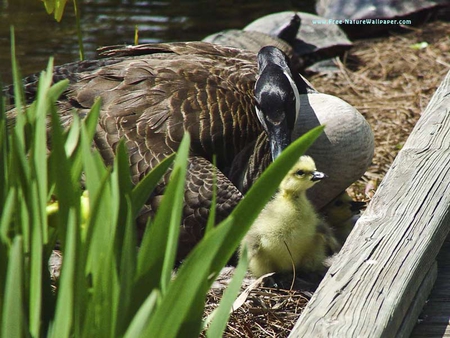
pixel 277 98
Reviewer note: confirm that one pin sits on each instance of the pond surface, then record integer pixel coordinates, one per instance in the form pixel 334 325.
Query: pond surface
pixel 111 22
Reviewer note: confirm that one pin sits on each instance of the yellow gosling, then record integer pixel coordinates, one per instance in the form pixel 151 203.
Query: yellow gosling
pixel 288 231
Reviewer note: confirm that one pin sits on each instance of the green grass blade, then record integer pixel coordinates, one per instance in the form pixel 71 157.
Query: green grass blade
pixel 65 304
pixel 182 306
pixel 135 329
pixel 121 188
pixel 39 150
pixel 157 255
pixel 13 321
pixel 7 214
pixel 127 274
pixel 143 189
pixel 18 92
pixel 176 207
pixel 222 313
pixel 67 187
pixel 36 261
pixel 20 178
pixel 73 139
pixel 37 192
pixel 4 150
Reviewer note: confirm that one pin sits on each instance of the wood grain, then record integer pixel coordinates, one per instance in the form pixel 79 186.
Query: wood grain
pixel 369 288
pixel 434 321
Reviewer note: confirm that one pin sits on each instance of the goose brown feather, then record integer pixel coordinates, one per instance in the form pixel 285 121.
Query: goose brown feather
pixel 152 101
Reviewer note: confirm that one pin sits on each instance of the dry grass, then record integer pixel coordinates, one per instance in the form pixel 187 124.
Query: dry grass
pixel 390 83
pixel 267 312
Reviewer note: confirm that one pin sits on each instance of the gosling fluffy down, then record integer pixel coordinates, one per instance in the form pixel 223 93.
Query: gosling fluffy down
pixel 288 230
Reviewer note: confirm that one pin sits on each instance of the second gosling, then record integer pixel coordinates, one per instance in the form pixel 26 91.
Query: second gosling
pixel 288 230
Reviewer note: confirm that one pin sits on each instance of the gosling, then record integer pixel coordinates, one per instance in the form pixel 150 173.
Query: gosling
pixel 288 230
pixel 341 215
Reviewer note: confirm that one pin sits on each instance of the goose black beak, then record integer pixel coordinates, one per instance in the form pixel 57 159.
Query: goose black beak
pixel 317 176
pixel 279 137
pixel 277 123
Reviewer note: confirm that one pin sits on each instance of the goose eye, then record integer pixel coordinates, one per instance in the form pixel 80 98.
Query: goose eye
pixel 300 173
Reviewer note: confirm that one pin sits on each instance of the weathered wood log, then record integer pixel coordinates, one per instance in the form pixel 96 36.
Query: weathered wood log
pixel 418 302
pixel 369 288
pixel 434 320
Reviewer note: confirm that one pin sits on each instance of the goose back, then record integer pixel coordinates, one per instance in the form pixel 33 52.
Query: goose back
pixel 151 100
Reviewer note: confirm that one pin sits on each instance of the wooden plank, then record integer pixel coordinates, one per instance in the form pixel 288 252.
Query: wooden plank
pixel 370 286
pixel 418 302
pixel 434 321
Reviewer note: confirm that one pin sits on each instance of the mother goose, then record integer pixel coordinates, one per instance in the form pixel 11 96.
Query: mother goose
pixel 152 94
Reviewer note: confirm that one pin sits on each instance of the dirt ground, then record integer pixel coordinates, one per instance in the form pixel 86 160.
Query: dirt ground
pixel 390 80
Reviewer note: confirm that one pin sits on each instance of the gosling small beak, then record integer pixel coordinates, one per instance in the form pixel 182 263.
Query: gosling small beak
pixel 356 206
pixel 317 176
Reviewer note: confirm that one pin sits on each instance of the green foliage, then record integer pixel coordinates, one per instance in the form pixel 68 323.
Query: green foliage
pixel 57 8
pixel 107 287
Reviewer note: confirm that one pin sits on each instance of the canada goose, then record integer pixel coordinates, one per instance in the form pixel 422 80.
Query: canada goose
pixel 152 94
pixel 286 232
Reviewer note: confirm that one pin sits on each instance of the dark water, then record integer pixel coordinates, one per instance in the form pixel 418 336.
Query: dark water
pixel 110 22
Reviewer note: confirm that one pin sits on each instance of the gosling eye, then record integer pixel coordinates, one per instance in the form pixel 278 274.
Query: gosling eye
pixel 300 173
pixel 338 203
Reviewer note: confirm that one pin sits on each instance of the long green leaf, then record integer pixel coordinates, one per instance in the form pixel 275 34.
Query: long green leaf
pixel 157 255
pixel 142 190
pixel 175 206
pixel 73 139
pixel 127 274
pixel 183 303
pixel 18 92
pixel 142 316
pixel 7 215
pixel 222 313
pixel 121 189
pixel 65 305
pixel 36 261
pixel 4 150
pixel 13 319
pixel 38 197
